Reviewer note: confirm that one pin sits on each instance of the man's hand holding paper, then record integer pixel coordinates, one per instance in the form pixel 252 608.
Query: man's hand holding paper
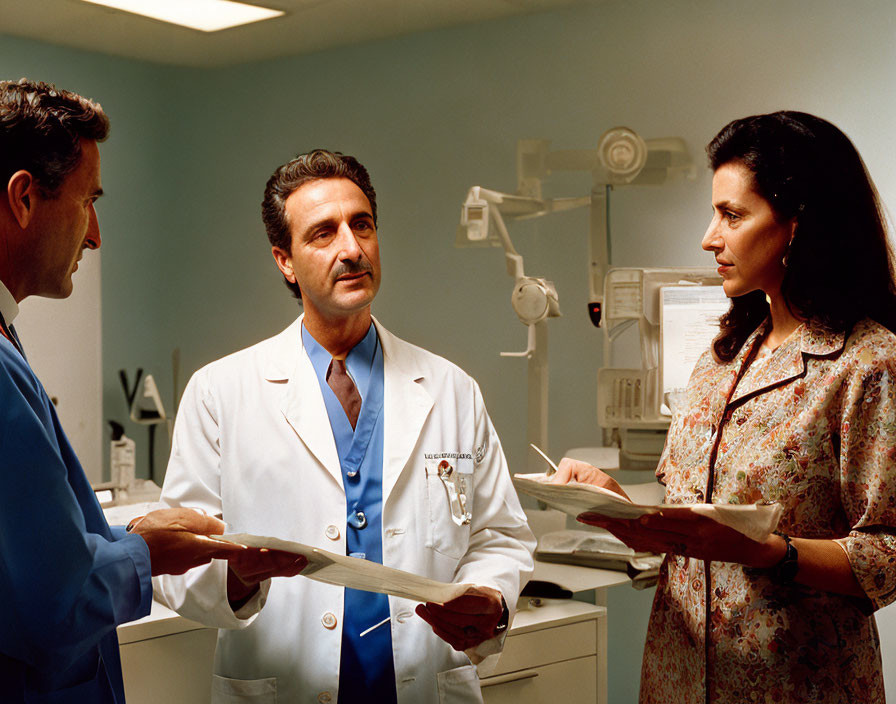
pixel 353 572
pixel 250 568
pixel 463 615
pixel 466 621
pixel 180 539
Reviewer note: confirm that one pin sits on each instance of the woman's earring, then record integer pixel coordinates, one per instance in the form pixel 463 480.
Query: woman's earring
pixel 784 258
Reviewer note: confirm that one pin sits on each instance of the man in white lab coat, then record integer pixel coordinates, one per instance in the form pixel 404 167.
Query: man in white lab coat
pixel 337 434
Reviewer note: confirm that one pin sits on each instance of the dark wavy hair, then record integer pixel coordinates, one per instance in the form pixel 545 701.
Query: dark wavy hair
pixel 41 128
pixel 315 165
pixel 839 264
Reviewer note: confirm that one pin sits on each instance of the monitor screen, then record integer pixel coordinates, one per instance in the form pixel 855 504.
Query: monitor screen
pixel 689 320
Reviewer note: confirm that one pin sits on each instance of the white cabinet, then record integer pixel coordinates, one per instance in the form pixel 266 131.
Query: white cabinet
pixel 555 651
pixel 166 658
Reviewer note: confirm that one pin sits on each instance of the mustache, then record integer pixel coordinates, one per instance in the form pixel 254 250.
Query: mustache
pixel 362 266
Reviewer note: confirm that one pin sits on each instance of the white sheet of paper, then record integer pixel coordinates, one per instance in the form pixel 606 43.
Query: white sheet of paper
pixel 354 572
pixel 756 521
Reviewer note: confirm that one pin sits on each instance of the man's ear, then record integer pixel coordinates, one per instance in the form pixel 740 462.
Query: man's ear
pixel 20 191
pixel 284 263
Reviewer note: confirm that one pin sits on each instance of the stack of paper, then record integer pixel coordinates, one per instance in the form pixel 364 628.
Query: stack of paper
pixel 756 521
pixel 354 572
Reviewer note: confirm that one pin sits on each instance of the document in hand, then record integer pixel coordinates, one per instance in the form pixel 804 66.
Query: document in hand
pixel 354 572
pixel 756 521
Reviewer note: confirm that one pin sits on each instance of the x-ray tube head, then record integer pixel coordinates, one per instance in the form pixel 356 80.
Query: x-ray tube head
pixel 534 299
pixel 623 154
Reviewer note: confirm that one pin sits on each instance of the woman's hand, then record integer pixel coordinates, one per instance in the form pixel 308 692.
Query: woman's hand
pixel 574 471
pixel 823 563
pixel 680 531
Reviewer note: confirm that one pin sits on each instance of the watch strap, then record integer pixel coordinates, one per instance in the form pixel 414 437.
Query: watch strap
pixel 785 571
pixel 504 620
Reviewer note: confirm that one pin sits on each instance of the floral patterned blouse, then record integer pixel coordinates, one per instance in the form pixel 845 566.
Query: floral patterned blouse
pixel 813 427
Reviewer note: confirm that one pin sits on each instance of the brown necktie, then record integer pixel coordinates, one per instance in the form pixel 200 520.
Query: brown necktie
pixel 345 390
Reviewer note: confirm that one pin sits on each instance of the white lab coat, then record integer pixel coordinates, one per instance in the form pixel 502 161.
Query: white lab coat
pixel 253 443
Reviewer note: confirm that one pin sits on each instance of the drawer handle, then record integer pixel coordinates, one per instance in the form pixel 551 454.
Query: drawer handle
pixel 512 677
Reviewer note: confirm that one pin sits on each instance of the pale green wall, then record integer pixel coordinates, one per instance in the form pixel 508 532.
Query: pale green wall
pixel 134 163
pixel 185 257
pixel 435 113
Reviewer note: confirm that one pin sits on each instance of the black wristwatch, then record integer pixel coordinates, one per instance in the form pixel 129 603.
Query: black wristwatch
pixel 785 571
pixel 504 620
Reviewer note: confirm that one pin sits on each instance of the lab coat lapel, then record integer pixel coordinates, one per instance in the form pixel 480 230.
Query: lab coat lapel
pixel 302 402
pixel 406 405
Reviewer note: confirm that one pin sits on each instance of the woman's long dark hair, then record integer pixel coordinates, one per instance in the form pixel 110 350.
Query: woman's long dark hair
pixel 839 265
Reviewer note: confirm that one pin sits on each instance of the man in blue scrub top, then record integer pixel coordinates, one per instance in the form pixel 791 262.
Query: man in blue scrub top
pixel 366 663
pixel 66 578
pixel 337 434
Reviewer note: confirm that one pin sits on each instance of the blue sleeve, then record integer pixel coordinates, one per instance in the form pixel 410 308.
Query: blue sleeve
pixel 62 587
pixel 118 532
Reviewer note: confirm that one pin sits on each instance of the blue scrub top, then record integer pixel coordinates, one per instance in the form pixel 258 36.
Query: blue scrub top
pixel 67 579
pixel 366 671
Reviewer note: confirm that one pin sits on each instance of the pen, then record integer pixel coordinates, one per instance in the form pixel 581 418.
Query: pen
pixel 553 467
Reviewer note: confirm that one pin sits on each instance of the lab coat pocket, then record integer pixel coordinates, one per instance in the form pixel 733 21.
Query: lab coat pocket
pixel 226 690
pixel 459 686
pixel 449 496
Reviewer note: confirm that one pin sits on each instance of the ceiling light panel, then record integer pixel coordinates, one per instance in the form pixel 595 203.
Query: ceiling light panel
pixel 204 15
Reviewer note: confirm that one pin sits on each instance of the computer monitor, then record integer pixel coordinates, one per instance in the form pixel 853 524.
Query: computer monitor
pixel 689 320
pixel 675 311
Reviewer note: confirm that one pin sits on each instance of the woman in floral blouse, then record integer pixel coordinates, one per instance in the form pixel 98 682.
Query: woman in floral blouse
pixel 794 403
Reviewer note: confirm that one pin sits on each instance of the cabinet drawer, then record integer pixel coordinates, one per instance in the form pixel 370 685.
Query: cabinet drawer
pixel 570 682
pixel 548 645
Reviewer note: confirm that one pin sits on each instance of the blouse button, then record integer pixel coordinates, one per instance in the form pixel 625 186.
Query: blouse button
pixel 329 620
pixel 332 532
